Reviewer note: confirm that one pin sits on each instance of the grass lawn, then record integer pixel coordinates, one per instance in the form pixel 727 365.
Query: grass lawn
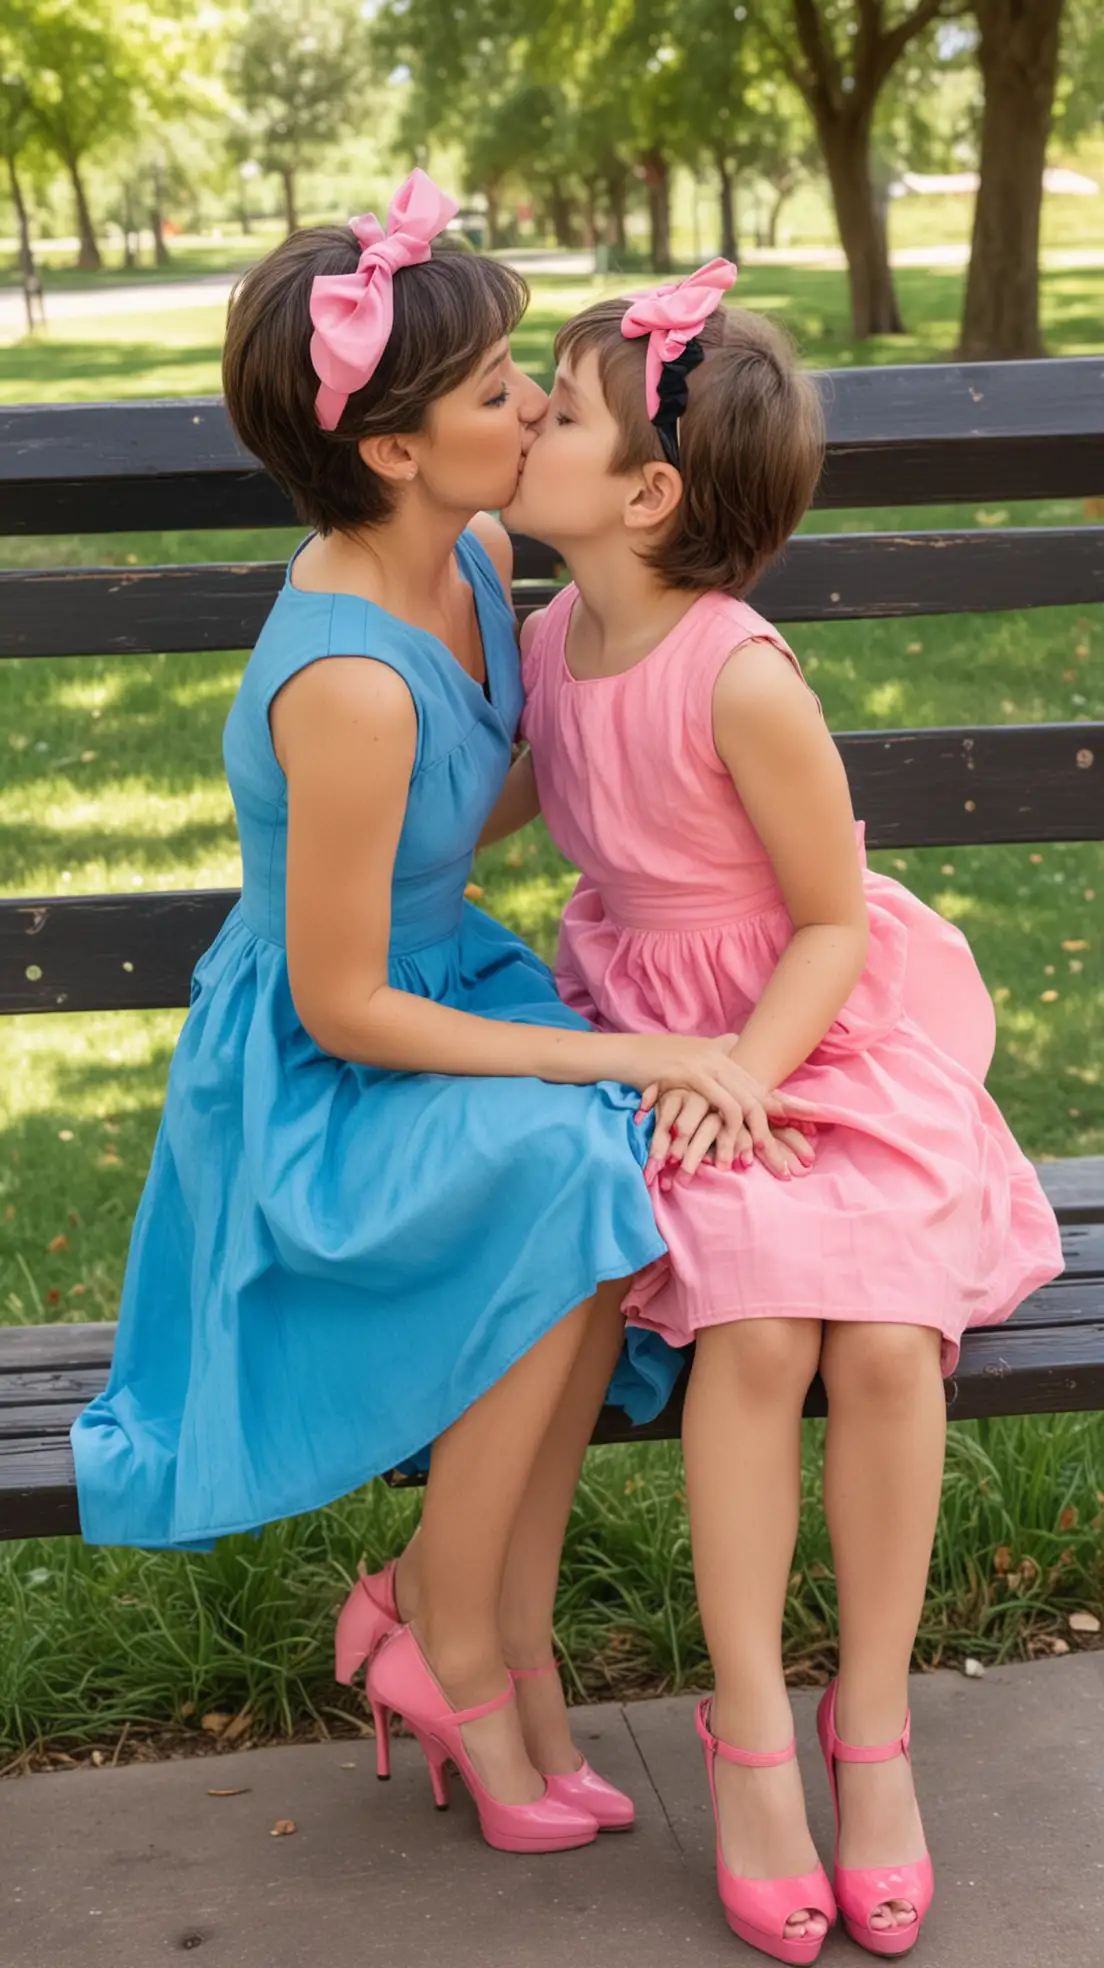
pixel 112 780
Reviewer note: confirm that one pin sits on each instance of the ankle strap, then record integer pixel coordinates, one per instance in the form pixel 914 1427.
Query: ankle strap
pixel 532 1673
pixel 748 1759
pixel 485 1708
pixel 884 1753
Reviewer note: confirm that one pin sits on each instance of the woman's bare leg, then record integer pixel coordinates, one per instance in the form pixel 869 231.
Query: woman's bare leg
pixel 533 1564
pixel 450 1579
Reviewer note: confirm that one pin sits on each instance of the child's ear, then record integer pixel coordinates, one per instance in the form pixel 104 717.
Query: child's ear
pixel 655 496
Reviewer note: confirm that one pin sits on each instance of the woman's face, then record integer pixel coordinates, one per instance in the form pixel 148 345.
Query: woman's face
pixel 470 452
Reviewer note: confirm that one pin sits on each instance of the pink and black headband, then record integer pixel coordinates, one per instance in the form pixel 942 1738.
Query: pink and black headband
pixel 671 316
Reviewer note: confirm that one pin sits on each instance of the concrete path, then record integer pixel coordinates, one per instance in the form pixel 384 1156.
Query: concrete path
pixel 132 1867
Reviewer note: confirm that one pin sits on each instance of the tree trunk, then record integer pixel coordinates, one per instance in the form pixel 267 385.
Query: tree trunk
pixel 1018 55
pixel 560 207
pixel 729 243
pixel 591 226
pixel 657 177
pixel 161 254
pixel 88 259
pixel 490 193
pixel 616 187
pixel 32 286
pixel 130 257
pixel 845 143
pixel 775 213
pixel 287 179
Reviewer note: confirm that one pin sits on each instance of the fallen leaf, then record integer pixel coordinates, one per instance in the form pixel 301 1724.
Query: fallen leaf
pixel 244 1791
pixel 58 1243
pixel 216 1722
pixel 1084 1623
pixel 98 1758
pixel 1002 1560
pixel 1048 997
pixel 53 1296
pixel 515 858
pixel 1058 1645
pixel 1067 1521
pixel 187 1709
pixel 1075 943
pixel 973 1670
pixel 348 1766
pixel 284 1828
pixel 474 893
pixel 77 1291
pixel 915 649
pixel 947 868
pixel 1035 859
pixel 236 1729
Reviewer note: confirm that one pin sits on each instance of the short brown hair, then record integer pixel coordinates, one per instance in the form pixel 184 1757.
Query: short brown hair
pixel 449 312
pixel 751 443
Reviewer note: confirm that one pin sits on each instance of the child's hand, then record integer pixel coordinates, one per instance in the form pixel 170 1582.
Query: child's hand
pixel 746 1112
pixel 688 1131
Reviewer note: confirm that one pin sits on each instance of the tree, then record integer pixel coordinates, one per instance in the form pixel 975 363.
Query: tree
pixel 300 71
pixel 1018 56
pixel 839 54
pixel 81 73
pixel 16 134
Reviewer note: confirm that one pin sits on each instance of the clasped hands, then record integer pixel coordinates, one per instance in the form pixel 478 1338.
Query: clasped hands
pixel 717 1112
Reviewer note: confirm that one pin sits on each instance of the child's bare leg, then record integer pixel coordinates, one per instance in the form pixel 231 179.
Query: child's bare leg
pixel 451 1577
pixel 883 1472
pixel 742 1442
pixel 533 1563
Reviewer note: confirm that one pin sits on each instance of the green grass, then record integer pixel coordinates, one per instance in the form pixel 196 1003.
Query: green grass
pixel 111 779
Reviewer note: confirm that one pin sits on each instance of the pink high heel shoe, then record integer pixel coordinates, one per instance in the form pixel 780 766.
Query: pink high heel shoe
pixel 861 1890
pixel 400 1682
pixel 366 1619
pixel 611 1808
pixel 758 1909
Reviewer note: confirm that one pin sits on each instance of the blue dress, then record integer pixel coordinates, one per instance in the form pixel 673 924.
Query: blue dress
pixel 331 1262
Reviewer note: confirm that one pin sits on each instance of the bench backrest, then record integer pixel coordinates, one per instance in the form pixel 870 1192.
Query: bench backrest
pixel 923 435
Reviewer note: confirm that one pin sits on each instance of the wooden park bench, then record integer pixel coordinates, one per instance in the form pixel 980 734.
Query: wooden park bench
pixel 922 435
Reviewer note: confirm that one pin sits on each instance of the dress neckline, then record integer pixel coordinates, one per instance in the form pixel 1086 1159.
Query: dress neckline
pixel 617 676
pixel 484 685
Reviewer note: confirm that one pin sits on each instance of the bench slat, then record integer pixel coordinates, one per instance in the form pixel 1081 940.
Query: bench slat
pixel 913 434
pixel 914 788
pixel 831 577
pixel 1005 1370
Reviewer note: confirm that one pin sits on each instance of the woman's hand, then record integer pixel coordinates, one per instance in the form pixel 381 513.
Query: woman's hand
pixel 688 1131
pixel 667 1065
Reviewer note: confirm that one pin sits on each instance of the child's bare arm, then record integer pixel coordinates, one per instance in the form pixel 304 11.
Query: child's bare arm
pixel 791 781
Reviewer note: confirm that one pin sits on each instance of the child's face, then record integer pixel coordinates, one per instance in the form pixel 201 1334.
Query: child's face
pixel 566 490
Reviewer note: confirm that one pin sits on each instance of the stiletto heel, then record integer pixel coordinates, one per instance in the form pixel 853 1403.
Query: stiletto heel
pixel 364 1622
pixel 611 1807
pixel 758 1909
pixel 861 1890
pixel 382 1720
pixel 400 1682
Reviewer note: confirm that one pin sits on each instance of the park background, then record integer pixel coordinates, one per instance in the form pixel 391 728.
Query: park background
pixel 150 149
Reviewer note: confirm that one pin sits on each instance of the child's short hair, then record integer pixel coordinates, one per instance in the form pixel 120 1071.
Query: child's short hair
pixel 448 312
pixel 751 442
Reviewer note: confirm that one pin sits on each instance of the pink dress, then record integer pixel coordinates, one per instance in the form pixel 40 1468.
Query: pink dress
pixel 920 1208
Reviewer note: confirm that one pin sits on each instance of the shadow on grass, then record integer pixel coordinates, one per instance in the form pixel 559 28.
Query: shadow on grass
pixel 46 367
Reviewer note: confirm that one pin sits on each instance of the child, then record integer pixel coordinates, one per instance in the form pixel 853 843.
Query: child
pixel 396 1183
pixel 683 765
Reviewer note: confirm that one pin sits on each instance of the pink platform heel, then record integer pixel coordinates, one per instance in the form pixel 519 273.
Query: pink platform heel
pixel 366 1619
pixel 610 1807
pixel 758 1909
pixel 400 1682
pixel 861 1890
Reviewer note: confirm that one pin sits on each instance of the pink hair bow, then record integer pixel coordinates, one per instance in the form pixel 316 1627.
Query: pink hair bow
pixel 353 313
pixel 671 316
